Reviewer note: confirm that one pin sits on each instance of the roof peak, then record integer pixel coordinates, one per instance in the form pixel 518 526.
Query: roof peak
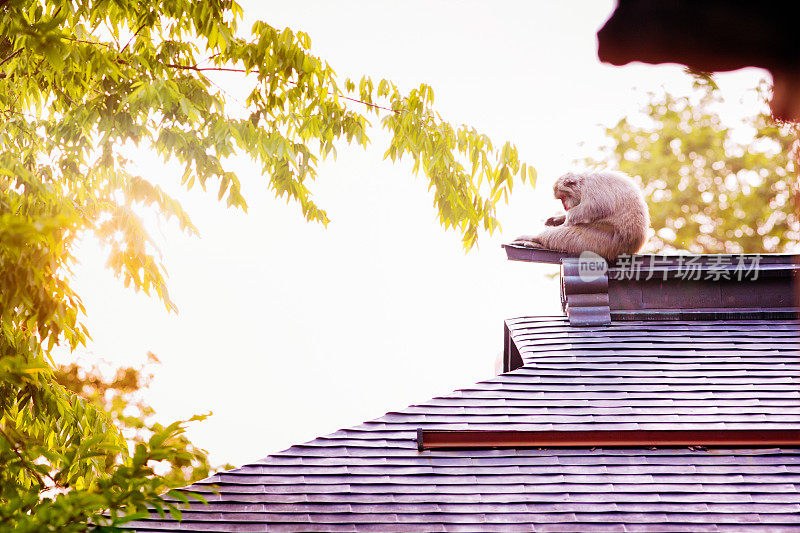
pixel 671 286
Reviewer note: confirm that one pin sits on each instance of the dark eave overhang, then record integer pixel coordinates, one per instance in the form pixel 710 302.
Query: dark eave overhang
pixel 709 36
pixel 673 287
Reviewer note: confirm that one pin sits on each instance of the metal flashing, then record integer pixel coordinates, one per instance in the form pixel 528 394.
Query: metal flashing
pixel 536 255
pixel 674 287
pixel 788 313
pixel 584 298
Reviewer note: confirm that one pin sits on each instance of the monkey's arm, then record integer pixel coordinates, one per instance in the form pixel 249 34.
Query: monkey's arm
pixel 589 210
pixel 556 220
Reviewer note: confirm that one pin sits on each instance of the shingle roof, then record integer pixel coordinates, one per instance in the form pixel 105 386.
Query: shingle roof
pixel 629 375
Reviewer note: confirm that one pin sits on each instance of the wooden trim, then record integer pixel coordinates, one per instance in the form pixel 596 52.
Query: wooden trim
pixel 436 439
pixel 512 359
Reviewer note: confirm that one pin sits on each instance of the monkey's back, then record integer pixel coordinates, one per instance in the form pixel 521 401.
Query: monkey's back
pixel 628 218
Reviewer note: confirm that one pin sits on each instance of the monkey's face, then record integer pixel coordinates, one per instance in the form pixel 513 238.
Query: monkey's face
pixel 568 189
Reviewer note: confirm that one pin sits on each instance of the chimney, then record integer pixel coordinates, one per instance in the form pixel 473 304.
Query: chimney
pixel 672 287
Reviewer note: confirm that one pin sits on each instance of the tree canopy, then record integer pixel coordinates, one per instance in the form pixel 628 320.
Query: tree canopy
pixel 81 84
pixel 709 190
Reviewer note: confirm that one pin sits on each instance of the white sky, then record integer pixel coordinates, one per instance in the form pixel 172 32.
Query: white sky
pixel 288 331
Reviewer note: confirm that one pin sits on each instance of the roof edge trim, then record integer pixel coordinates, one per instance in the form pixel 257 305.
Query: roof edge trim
pixel 428 439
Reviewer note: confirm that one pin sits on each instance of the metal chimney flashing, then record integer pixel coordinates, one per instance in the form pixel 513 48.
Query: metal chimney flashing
pixel 673 287
pixel 584 298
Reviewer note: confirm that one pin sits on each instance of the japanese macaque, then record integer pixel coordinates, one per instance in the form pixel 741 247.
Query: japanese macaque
pixel 605 213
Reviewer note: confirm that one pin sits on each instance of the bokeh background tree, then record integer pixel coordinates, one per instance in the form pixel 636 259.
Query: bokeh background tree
pixel 83 86
pixel 711 187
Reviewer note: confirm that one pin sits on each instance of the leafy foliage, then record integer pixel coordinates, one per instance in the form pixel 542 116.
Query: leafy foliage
pixel 82 84
pixel 707 191
pixel 120 397
pixel 64 462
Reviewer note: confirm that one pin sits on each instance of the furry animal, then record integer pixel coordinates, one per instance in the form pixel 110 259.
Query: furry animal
pixel 605 213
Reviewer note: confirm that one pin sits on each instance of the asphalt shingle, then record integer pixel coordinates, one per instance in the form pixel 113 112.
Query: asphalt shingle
pixel 629 375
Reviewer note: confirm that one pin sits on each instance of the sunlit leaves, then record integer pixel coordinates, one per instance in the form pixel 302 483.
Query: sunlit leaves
pixel 468 176
pixel 84 83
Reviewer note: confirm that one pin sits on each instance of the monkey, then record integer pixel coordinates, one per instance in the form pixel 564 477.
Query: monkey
pixel 605 214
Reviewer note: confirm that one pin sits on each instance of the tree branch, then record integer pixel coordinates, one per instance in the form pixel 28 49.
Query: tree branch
pixel 87 42
pixel 228 69
pixel 140 28
pixel 10 57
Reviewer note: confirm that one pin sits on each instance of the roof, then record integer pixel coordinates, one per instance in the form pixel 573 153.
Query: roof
pixel 627 375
